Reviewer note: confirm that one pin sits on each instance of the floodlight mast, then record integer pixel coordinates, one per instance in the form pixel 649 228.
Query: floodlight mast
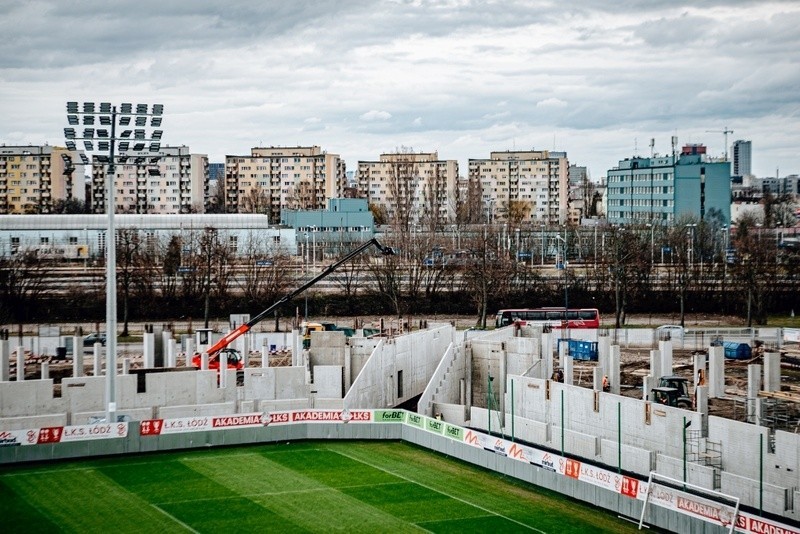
pixel 107 115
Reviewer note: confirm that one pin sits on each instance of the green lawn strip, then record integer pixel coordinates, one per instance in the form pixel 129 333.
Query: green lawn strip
pixel 494 524
pixel 413 503
pixel 505 496
pixel 87 501
pixel 18 515
pixel 277 480
pixel 331 468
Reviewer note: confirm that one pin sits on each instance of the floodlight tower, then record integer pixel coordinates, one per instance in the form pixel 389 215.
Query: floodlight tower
pixel 140 140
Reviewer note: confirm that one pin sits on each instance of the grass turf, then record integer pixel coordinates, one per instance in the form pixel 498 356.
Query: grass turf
pixel 320 486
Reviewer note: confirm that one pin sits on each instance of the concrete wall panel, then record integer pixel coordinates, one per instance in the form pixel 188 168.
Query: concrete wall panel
pixel 196 410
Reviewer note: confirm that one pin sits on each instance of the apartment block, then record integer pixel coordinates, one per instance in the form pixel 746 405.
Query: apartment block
pixel 272 178
pixel 413 188
pixel 34 178
pixel 662 188
pixel 170 181
pixel 535 181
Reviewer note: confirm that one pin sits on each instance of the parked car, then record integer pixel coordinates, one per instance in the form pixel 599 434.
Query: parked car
pixel 94 337
pixel 669 331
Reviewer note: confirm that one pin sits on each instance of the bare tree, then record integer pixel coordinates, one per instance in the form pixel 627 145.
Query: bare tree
pixel 22 283
pixel 131 264
pixel 488 273
pixel 264 271
pixel 681 242
pixel 755 268
pixel 257 200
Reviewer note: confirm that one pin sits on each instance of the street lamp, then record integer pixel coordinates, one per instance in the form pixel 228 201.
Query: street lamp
pixel 690 236
pixel 314 248
pixel 566 288
pixel 542 225
pixel 138 141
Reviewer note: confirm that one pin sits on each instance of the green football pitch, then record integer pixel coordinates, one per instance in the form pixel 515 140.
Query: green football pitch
pixel 312 486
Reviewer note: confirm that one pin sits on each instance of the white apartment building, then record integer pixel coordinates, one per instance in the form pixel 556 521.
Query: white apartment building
pixel 170 181
pixel 537 179
pixel 34 178
pixel 272 178
pixel 419 188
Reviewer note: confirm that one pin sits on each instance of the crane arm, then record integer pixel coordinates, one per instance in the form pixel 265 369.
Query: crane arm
pixel 234 334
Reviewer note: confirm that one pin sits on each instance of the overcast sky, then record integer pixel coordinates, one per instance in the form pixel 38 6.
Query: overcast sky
pixel 360 78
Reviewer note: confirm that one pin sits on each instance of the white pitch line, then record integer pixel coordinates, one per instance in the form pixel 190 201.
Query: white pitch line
pixel 490 512
pixel 172 517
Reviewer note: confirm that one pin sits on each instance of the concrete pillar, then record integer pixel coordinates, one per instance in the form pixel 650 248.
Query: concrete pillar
pixel 166 337
pixel 149 350
pixel 758 407
pixel 348 362
pixel 613 375
pixel 716 372
pixel 665 347
pixel 20 363
pixel 699 378
pixel 223 369
pixel 77 358
pixel 45 370
pixel 77 348
pixel 753 387
pixel 189 352
pixel 648 384
pixel 172 352
pixel 126 366
pixel 468 365
pixel 264 355
pixel 204 361
pixel 5 357
pixel 562 352
pixel 98 369
pixel 297 347
pixel 603 344
pixel 701 400
pixel 568 370
pixel 772 371
pixel 246 350
pixel 547 355
pixel 655 364
pixel 597 379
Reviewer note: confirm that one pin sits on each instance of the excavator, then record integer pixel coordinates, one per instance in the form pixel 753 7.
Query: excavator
pixel 234 359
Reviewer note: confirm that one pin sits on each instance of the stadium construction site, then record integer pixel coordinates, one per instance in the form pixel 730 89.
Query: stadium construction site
pixel 519 400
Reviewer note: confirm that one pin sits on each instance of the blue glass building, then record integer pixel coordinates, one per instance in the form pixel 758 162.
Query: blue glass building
pixel 660 189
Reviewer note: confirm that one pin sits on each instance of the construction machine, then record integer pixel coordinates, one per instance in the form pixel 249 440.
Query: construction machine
pixel 672 391
pixel 215 350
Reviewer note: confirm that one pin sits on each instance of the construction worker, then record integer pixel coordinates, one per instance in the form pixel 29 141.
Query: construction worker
pixel 606 384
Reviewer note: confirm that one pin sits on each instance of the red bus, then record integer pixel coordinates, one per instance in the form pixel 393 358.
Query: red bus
pixel 552 317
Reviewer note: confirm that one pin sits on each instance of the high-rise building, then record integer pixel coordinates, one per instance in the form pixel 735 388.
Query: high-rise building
pixel 532 183
pixel 742 154
pixel 170 181
pixel 413 188
pixel 271 178
pixel 34 178
pixel 660 189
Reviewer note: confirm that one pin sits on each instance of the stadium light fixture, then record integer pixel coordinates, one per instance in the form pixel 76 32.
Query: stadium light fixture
pixel 109 149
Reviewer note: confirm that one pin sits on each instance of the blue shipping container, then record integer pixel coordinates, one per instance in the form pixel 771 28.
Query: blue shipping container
pixel 737 351
pixel 581 350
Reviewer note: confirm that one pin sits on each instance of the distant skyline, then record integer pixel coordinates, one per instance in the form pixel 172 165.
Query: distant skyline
pixel 463 78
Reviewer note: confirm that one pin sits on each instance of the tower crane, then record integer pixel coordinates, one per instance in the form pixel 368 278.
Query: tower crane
pixel 725 132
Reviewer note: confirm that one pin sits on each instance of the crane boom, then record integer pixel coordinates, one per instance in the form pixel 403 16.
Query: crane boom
pixel 231 336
